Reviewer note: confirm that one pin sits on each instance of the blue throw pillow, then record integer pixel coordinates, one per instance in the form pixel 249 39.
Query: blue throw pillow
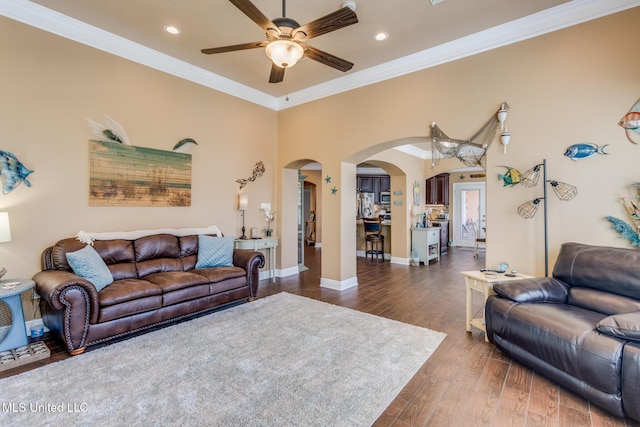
pixel 88 264
pixel 215 251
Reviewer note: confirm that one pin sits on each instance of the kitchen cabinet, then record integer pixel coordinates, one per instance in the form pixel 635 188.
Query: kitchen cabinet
pixel 437 190
pixel 444 235
pixel 385 183
pixel 373 184
pixel 365 184
pixel 425 243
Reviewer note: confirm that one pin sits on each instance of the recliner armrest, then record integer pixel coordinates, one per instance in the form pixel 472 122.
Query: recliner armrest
pixel 625 326
pixel 540 289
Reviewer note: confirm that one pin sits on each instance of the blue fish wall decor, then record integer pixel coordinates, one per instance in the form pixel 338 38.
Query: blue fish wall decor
pixel 12 172
pixel 583 151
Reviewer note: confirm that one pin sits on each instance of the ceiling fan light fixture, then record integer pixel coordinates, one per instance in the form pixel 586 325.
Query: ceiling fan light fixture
pixel 284 53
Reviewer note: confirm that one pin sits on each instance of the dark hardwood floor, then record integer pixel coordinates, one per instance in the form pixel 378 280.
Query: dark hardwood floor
pixel 466 382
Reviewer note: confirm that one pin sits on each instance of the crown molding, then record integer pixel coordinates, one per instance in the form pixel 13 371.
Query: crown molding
pixel 559 17
pixel 54 22
pixel 554 19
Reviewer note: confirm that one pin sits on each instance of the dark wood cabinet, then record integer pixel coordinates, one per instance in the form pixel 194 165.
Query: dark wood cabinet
pixel 437 190
pixel 365 184
pixel 444 237
pixel 374 184
pixel 385 183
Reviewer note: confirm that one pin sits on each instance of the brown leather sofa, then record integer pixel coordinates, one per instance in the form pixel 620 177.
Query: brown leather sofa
pixel 579 328
pixel 155 282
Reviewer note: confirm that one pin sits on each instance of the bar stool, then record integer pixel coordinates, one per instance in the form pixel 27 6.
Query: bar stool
pixel 373 235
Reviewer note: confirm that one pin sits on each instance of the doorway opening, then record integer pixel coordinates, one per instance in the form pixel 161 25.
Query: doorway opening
pixel 470 213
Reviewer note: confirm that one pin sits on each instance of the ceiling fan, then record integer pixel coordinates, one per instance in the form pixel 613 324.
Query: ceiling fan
pixel 285 37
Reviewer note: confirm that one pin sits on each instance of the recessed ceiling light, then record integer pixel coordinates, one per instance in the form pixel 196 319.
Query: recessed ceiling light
pixel 381 36
pixel 171 29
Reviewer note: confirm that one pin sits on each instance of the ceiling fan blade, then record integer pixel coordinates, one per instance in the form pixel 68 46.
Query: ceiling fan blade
pixel 277 74
pixel 234 47
pixel 255 15
pixel 334 21
pixel 326 58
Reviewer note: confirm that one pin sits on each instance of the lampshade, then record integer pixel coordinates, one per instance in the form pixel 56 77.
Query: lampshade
pixel 563 190
pixel 284 53
pixel 5 228
pixel 530 178
pixel 243 202
pixel 529 209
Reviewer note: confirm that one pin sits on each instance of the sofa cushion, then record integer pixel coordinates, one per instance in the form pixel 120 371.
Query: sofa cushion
pixel 157 253
pixel 624 326
pixel 119 257
pixel 127 290
pixel 174 280
pixel 88 264
pixel 215 251
pixel 218 274
pixel 542 289
pixel 565 337
pixel 128 309
pixel 602 302
pixel 599 267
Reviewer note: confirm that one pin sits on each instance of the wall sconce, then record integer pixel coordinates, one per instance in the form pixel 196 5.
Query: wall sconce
pixel 527 210
pixel 243 205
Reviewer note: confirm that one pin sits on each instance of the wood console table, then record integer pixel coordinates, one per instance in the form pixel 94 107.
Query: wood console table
pixel 269 243
pixel 478 281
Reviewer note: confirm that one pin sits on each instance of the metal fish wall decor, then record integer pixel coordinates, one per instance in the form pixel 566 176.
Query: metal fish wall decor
pixel 631 123
pixel 583 151
pixel 511 177
pixel 258 171
pixel 12 172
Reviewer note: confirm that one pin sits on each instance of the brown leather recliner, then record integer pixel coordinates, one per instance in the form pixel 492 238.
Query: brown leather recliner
pixel 155 282
pixel 579 328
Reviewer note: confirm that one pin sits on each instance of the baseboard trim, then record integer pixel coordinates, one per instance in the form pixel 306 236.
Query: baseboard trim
pixel 338 285
pixel 363 254
pixel 291 271
pixel 401 261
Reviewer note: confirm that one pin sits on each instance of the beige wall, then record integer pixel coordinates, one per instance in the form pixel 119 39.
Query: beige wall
pixel 567 87
pixel 50 86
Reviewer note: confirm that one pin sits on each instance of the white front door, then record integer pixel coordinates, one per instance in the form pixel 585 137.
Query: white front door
pixel 469 208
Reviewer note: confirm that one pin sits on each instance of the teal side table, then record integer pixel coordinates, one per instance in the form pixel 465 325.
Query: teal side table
pixel 10 291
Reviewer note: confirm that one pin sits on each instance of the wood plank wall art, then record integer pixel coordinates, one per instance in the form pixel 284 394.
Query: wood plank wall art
pixel 126 175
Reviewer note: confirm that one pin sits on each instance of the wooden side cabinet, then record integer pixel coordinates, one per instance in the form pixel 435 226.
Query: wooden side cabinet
pixel 426 243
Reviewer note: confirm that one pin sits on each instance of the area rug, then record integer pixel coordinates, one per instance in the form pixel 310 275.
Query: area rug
pixel 283 360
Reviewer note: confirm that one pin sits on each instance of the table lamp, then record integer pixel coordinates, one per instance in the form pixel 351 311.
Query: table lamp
pixel 243 205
